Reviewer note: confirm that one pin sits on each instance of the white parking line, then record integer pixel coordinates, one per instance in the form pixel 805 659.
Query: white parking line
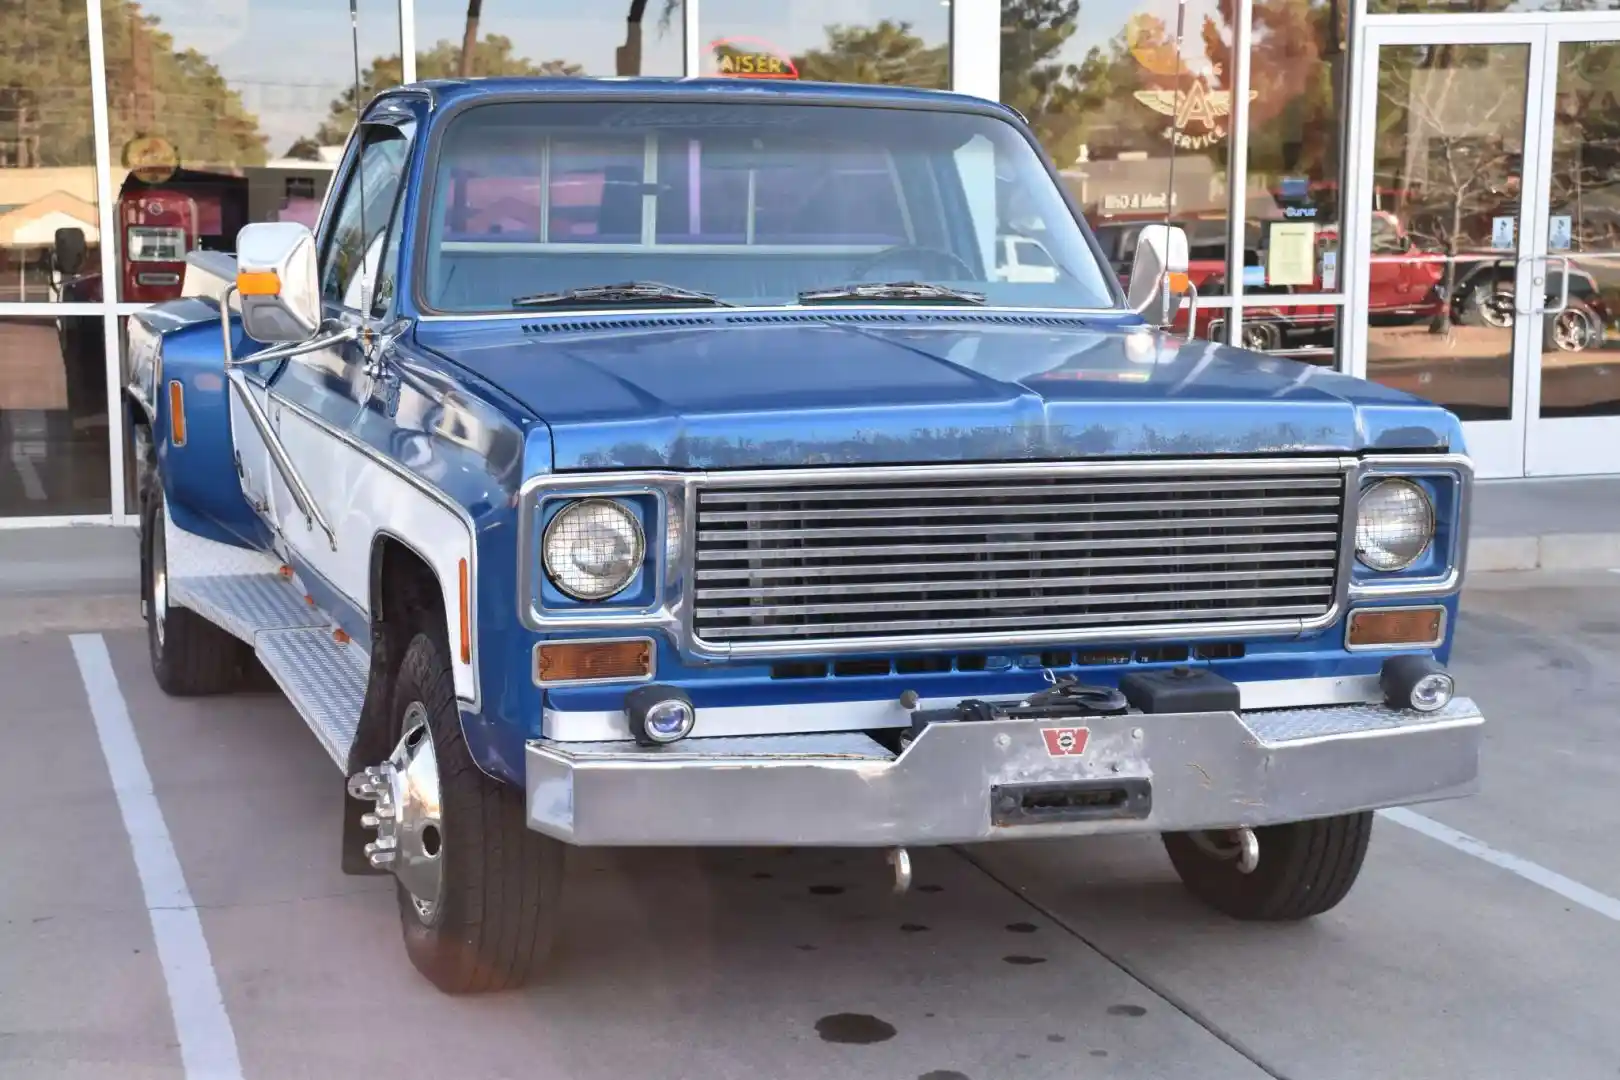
pixel 207 1043
pixel 1551 880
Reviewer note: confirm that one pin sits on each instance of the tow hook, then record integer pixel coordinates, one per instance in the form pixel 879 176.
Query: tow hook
pixel 1242 847
pixel 1248 851
pixel 900 859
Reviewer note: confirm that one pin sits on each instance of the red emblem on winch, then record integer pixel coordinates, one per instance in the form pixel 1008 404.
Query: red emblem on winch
pixel 1065 741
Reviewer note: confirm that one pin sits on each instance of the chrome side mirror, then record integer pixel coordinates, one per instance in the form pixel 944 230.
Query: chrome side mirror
pixel 1159 273
pixel 278 281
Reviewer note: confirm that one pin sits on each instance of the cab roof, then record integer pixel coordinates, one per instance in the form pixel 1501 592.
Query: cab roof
pixel 645 88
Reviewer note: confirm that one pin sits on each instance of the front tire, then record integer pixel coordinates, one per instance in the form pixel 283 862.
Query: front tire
pixel 492 916
pixel 1305 868
pixel 191 656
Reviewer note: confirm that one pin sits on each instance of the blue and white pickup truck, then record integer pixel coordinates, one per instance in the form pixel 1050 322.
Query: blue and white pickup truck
pixel 666 463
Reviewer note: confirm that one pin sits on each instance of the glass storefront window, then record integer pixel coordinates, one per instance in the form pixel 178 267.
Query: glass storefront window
pixel 49 225
pixel 225 114
pixel 1297 110
pixel 53 417
pixel 1308 333
pixel 547 37
pixel 896 42
pixel 1480 7
pixel 1135 111
pixel 1447 170
pixel 1578 343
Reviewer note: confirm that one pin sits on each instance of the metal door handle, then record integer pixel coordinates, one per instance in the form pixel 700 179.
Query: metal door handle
pixel 1563 293
pixel 1535 284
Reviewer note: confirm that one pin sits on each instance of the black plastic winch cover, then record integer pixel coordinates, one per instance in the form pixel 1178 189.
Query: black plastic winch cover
pixel 1180 690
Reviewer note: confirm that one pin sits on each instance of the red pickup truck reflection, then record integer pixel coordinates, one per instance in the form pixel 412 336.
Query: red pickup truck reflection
pixel 1405 285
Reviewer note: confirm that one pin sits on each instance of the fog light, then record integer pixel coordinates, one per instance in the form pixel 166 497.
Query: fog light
pixel 1416 682
pixel 659 715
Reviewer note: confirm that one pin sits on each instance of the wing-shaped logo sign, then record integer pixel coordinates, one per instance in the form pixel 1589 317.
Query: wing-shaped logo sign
pixel 1197 113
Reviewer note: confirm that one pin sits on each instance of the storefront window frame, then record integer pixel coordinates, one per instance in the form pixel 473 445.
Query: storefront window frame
pixel 975 68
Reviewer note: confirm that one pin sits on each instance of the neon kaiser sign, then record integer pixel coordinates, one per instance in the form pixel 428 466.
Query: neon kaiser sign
pixel 751 58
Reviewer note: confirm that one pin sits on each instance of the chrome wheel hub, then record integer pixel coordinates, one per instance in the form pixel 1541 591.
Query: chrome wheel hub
pixel 407 816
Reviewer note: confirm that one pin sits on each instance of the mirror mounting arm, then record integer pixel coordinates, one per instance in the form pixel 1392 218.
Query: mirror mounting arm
pixel 274 352
pixel 1162 298
pixel 297 348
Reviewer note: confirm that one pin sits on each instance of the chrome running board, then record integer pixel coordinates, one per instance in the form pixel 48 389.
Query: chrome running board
pixel 250 595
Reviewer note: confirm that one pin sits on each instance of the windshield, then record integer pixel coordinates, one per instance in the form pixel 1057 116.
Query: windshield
pixel 754 204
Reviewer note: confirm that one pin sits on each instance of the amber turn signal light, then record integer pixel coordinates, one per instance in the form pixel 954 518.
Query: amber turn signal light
pixel 258 283
pixel 1177 282
pixel 1404 626
pixel 177 413
pixel 592 661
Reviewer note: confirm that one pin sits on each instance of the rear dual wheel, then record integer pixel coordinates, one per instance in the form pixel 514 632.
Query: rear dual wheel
pixel 190 655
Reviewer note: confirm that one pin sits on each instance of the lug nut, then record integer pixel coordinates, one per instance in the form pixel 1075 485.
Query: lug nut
pixel 382 858
pixel 370 821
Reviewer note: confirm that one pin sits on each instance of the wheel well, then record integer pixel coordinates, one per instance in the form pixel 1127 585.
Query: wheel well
pixel 405 600
pixel 145 463
pixel 405 592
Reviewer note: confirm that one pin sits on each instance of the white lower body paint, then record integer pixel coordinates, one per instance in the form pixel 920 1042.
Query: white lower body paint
pixel 207 1043
pixel 1551 880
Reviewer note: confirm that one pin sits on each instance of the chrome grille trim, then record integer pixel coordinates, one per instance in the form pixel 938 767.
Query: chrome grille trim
pixel 1103 561
pixel 1167 625
pixel 1056 545
pixel 722 497
pixel 805 561
pixel 670 615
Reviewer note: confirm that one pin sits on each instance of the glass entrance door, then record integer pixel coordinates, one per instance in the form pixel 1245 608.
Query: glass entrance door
pixel 1488 199
pixel 1573 400
pixel 1446 117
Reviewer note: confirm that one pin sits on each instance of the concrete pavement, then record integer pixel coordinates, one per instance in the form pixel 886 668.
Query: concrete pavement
pixel 1063 959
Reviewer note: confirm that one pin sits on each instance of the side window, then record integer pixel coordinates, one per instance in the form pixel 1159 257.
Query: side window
pixel 361 217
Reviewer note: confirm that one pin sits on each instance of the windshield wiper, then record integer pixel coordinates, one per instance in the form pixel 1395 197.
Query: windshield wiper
pixel 628 292
pixel 891 290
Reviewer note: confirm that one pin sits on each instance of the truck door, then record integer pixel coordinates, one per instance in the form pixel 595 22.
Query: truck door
pixel 314 398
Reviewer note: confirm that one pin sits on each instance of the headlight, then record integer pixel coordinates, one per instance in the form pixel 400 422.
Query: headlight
pixel 1394 524
pixel 593 548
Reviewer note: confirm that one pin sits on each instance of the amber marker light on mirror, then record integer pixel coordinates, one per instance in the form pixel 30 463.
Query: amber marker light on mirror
pixel 258 283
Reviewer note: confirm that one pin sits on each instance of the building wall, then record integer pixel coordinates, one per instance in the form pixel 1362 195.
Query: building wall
pixel 156 126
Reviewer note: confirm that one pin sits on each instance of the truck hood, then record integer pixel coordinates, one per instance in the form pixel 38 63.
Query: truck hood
pixel 734 391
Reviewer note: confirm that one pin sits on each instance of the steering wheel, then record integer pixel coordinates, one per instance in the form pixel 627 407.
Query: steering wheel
pixel 939 257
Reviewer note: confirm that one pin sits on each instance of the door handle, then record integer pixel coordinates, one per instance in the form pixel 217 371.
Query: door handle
pixel 1535 285
pixel 1563 292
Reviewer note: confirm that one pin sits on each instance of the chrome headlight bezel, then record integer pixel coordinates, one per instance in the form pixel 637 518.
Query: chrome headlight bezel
pixel 566 575
pixel 1425 519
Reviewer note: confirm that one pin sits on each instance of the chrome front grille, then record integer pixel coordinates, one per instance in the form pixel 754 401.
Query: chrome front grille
pixel 1101 552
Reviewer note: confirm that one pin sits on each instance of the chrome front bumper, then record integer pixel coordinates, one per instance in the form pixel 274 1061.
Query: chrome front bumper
pixel 1003 780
